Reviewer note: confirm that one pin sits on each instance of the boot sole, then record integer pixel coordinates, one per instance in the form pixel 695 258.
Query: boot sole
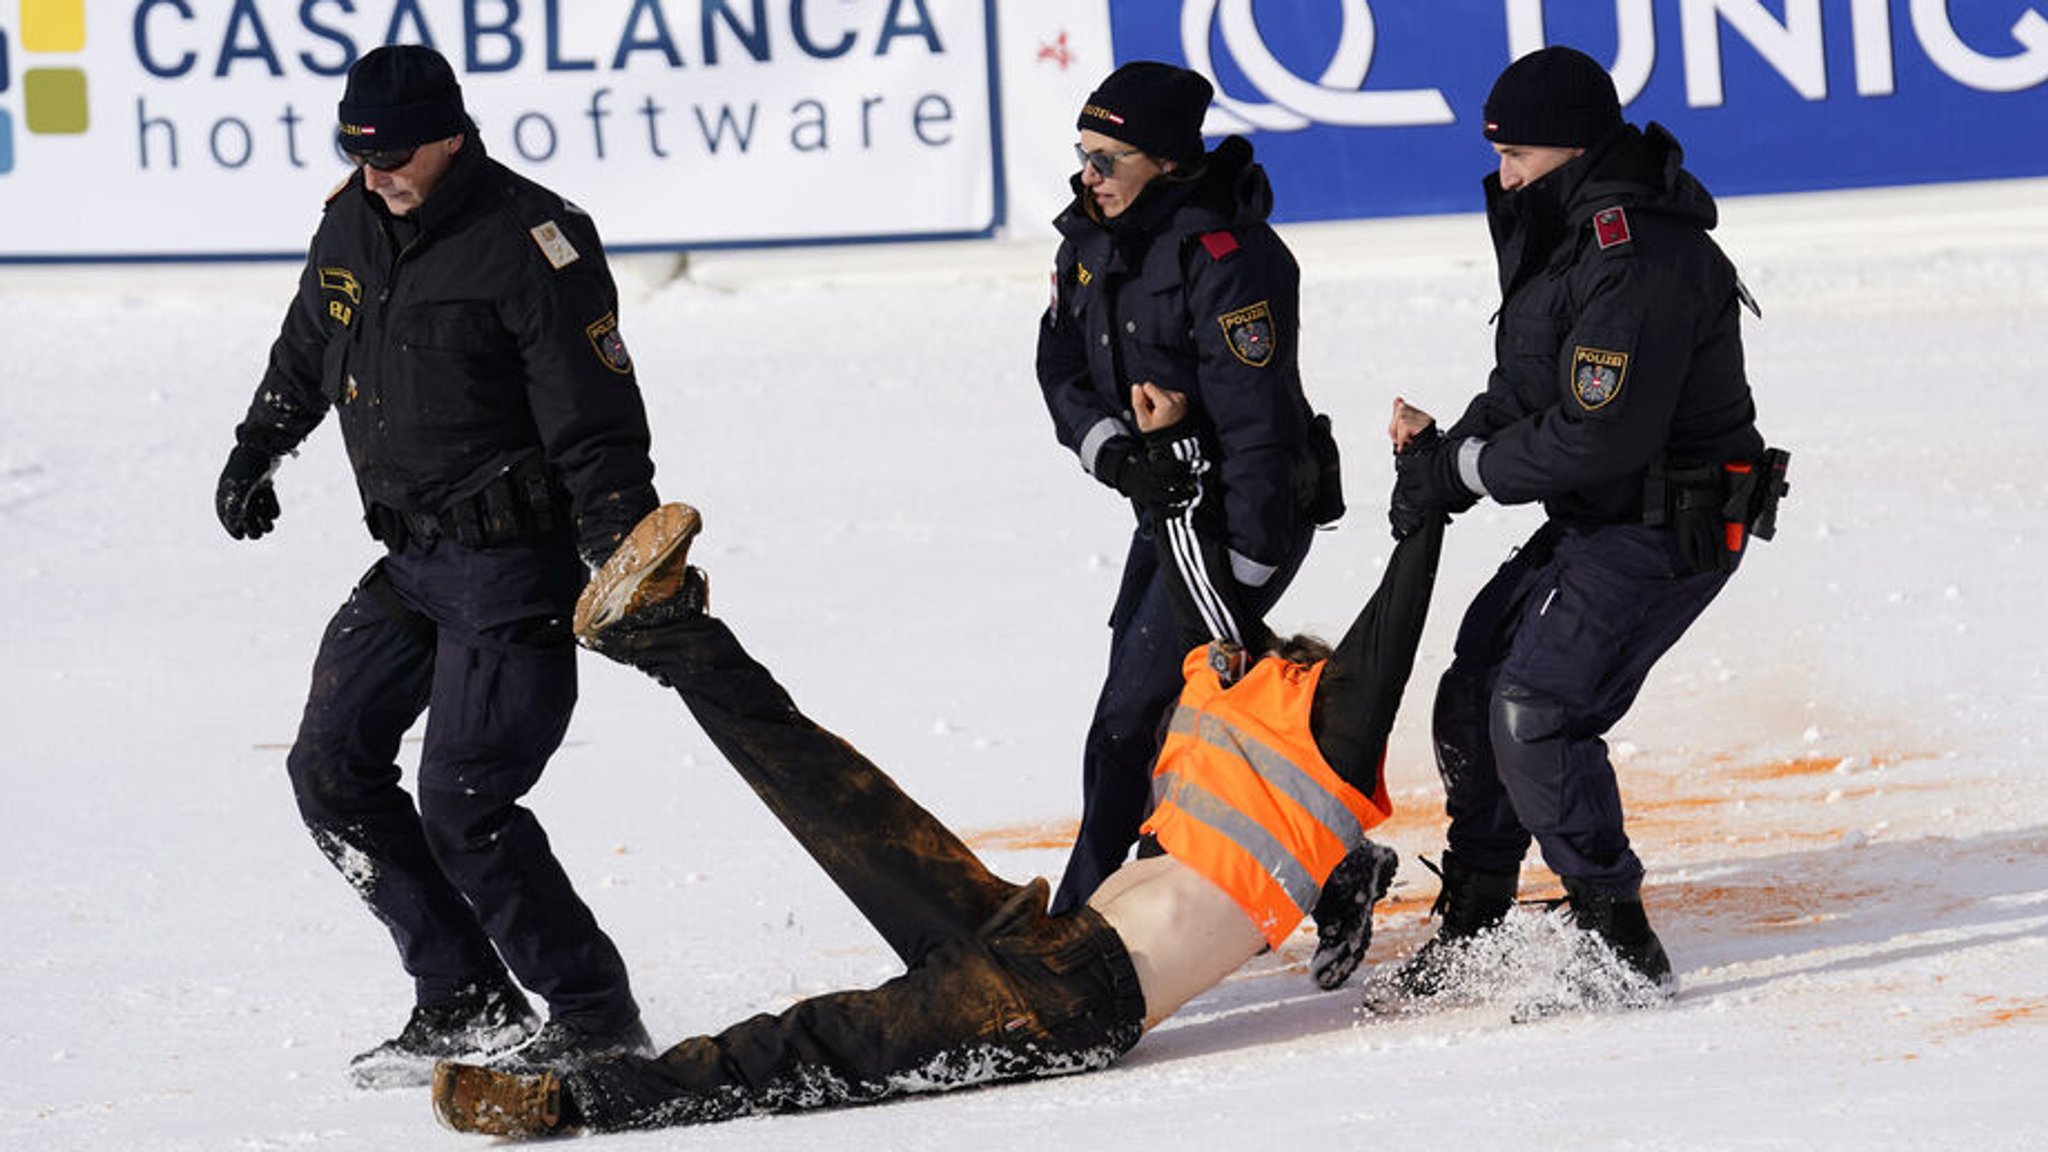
pixel 468 1098
pixel 660 543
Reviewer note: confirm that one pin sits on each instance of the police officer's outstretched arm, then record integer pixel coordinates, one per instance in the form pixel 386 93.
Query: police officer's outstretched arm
pixel 584 393
pixel 288 405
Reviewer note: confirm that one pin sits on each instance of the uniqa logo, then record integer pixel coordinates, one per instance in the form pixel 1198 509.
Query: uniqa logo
pixel 53 99
pixel 1290 102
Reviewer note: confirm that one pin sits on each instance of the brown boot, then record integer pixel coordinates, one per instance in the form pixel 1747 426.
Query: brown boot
pixel 647 569
pixel 469 1098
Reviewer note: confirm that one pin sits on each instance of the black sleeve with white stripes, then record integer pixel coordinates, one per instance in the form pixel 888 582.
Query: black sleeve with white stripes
pixel 1195 556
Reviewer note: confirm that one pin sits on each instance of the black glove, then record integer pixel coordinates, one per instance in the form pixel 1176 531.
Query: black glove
pixel 601 530
pixel 245 501
pixel 1426 483
pixel 1153 475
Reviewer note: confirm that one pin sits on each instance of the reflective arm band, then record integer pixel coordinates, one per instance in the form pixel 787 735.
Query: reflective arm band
pixel 1468 465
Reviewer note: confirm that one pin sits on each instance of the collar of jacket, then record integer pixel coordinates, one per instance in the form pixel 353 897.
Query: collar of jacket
pixel 1642 171
pixel 449 198
pixel 1229 189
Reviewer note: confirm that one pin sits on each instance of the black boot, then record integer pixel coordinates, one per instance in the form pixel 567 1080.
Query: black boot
pixel 1470 902
pixel 1343 912
pixel 564 1047
pixel 480 1021
pixel 1624 927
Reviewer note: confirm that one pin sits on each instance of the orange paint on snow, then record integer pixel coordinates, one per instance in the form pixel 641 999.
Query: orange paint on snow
pixel 1783 769
pixel 1999 1011
pixel 1051 834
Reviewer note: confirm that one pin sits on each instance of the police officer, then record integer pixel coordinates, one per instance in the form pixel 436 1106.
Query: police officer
pixel 1617 400
pixel 463 324
pixel 1168 274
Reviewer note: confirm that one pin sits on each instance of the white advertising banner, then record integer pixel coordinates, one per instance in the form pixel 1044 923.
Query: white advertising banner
pixel 197 129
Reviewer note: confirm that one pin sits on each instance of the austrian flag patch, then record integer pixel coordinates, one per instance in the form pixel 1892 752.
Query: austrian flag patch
pixel 1597 376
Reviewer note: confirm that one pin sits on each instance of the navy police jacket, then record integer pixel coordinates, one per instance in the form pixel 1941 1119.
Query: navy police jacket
pixel 1191 290
pixel 461 343
pixel 1619 340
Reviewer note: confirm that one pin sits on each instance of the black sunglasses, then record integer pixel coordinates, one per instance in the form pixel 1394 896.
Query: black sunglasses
pixel 1104 163
pixel 385 161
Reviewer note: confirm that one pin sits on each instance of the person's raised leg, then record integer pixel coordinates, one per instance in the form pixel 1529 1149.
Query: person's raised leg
pixel 910 876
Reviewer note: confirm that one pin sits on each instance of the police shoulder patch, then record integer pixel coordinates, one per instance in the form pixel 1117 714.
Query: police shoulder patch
pixel 1218 244
pixel 1610 227
pixel 1250 334
pixel 1597 376
pixel 609 345
pixel 554 245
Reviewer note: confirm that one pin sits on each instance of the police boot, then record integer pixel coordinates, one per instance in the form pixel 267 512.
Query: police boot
pixel 1624 927
pixel 1343 912
pixel 561 1046
pixel 479 1021
pixel 1470 902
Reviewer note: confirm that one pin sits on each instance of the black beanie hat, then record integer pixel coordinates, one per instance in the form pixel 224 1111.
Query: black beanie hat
pixel 1554 97
pixel 400 96
pixel 1155 108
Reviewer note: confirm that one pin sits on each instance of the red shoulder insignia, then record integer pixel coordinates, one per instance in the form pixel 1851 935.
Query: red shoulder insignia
pixel 1219 244
pixel 1610 227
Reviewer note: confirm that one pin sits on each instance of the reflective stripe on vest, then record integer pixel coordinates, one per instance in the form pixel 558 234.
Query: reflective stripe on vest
pixel 1243 796
pixel 1241 830
pixel 1284 775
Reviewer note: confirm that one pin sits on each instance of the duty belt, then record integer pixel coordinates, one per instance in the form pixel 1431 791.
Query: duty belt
pixel 520 505
pixel 1716 508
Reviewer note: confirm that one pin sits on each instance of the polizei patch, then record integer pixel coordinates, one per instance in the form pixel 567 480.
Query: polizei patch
pixel 1597 375
pixel 1249 332
pixel 609 345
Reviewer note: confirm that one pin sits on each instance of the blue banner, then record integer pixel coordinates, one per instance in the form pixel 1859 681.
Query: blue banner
pixel 1372 107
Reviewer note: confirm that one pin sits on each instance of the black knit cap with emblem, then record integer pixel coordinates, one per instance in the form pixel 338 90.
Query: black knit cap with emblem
pixel 1554 97
pixel 1154 107
pixel 400 96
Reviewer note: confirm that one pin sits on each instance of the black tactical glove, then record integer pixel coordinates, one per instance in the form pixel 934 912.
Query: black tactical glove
pixel 1426 483
pixel 600 531
pixel 1151 475
pixel 245 501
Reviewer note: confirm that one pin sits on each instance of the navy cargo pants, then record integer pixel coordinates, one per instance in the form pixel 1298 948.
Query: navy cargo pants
pixel 480 641
pixel 995 988
pixel 1549 657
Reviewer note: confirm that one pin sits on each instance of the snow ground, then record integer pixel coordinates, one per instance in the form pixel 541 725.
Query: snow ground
pixel 1834 780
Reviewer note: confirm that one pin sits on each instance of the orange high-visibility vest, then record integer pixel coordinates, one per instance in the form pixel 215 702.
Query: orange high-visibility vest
pixel 1241 794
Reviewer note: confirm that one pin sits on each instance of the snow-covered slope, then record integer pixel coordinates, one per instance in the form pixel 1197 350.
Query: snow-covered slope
pixel 1835 780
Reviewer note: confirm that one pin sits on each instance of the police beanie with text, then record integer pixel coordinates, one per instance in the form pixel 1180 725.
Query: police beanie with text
pixel 400 96
pixel 1554 97
pixel 1154 107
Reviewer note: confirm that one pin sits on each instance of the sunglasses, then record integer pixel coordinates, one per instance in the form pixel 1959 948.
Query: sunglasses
pixel 384 161
pixel 1104 163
